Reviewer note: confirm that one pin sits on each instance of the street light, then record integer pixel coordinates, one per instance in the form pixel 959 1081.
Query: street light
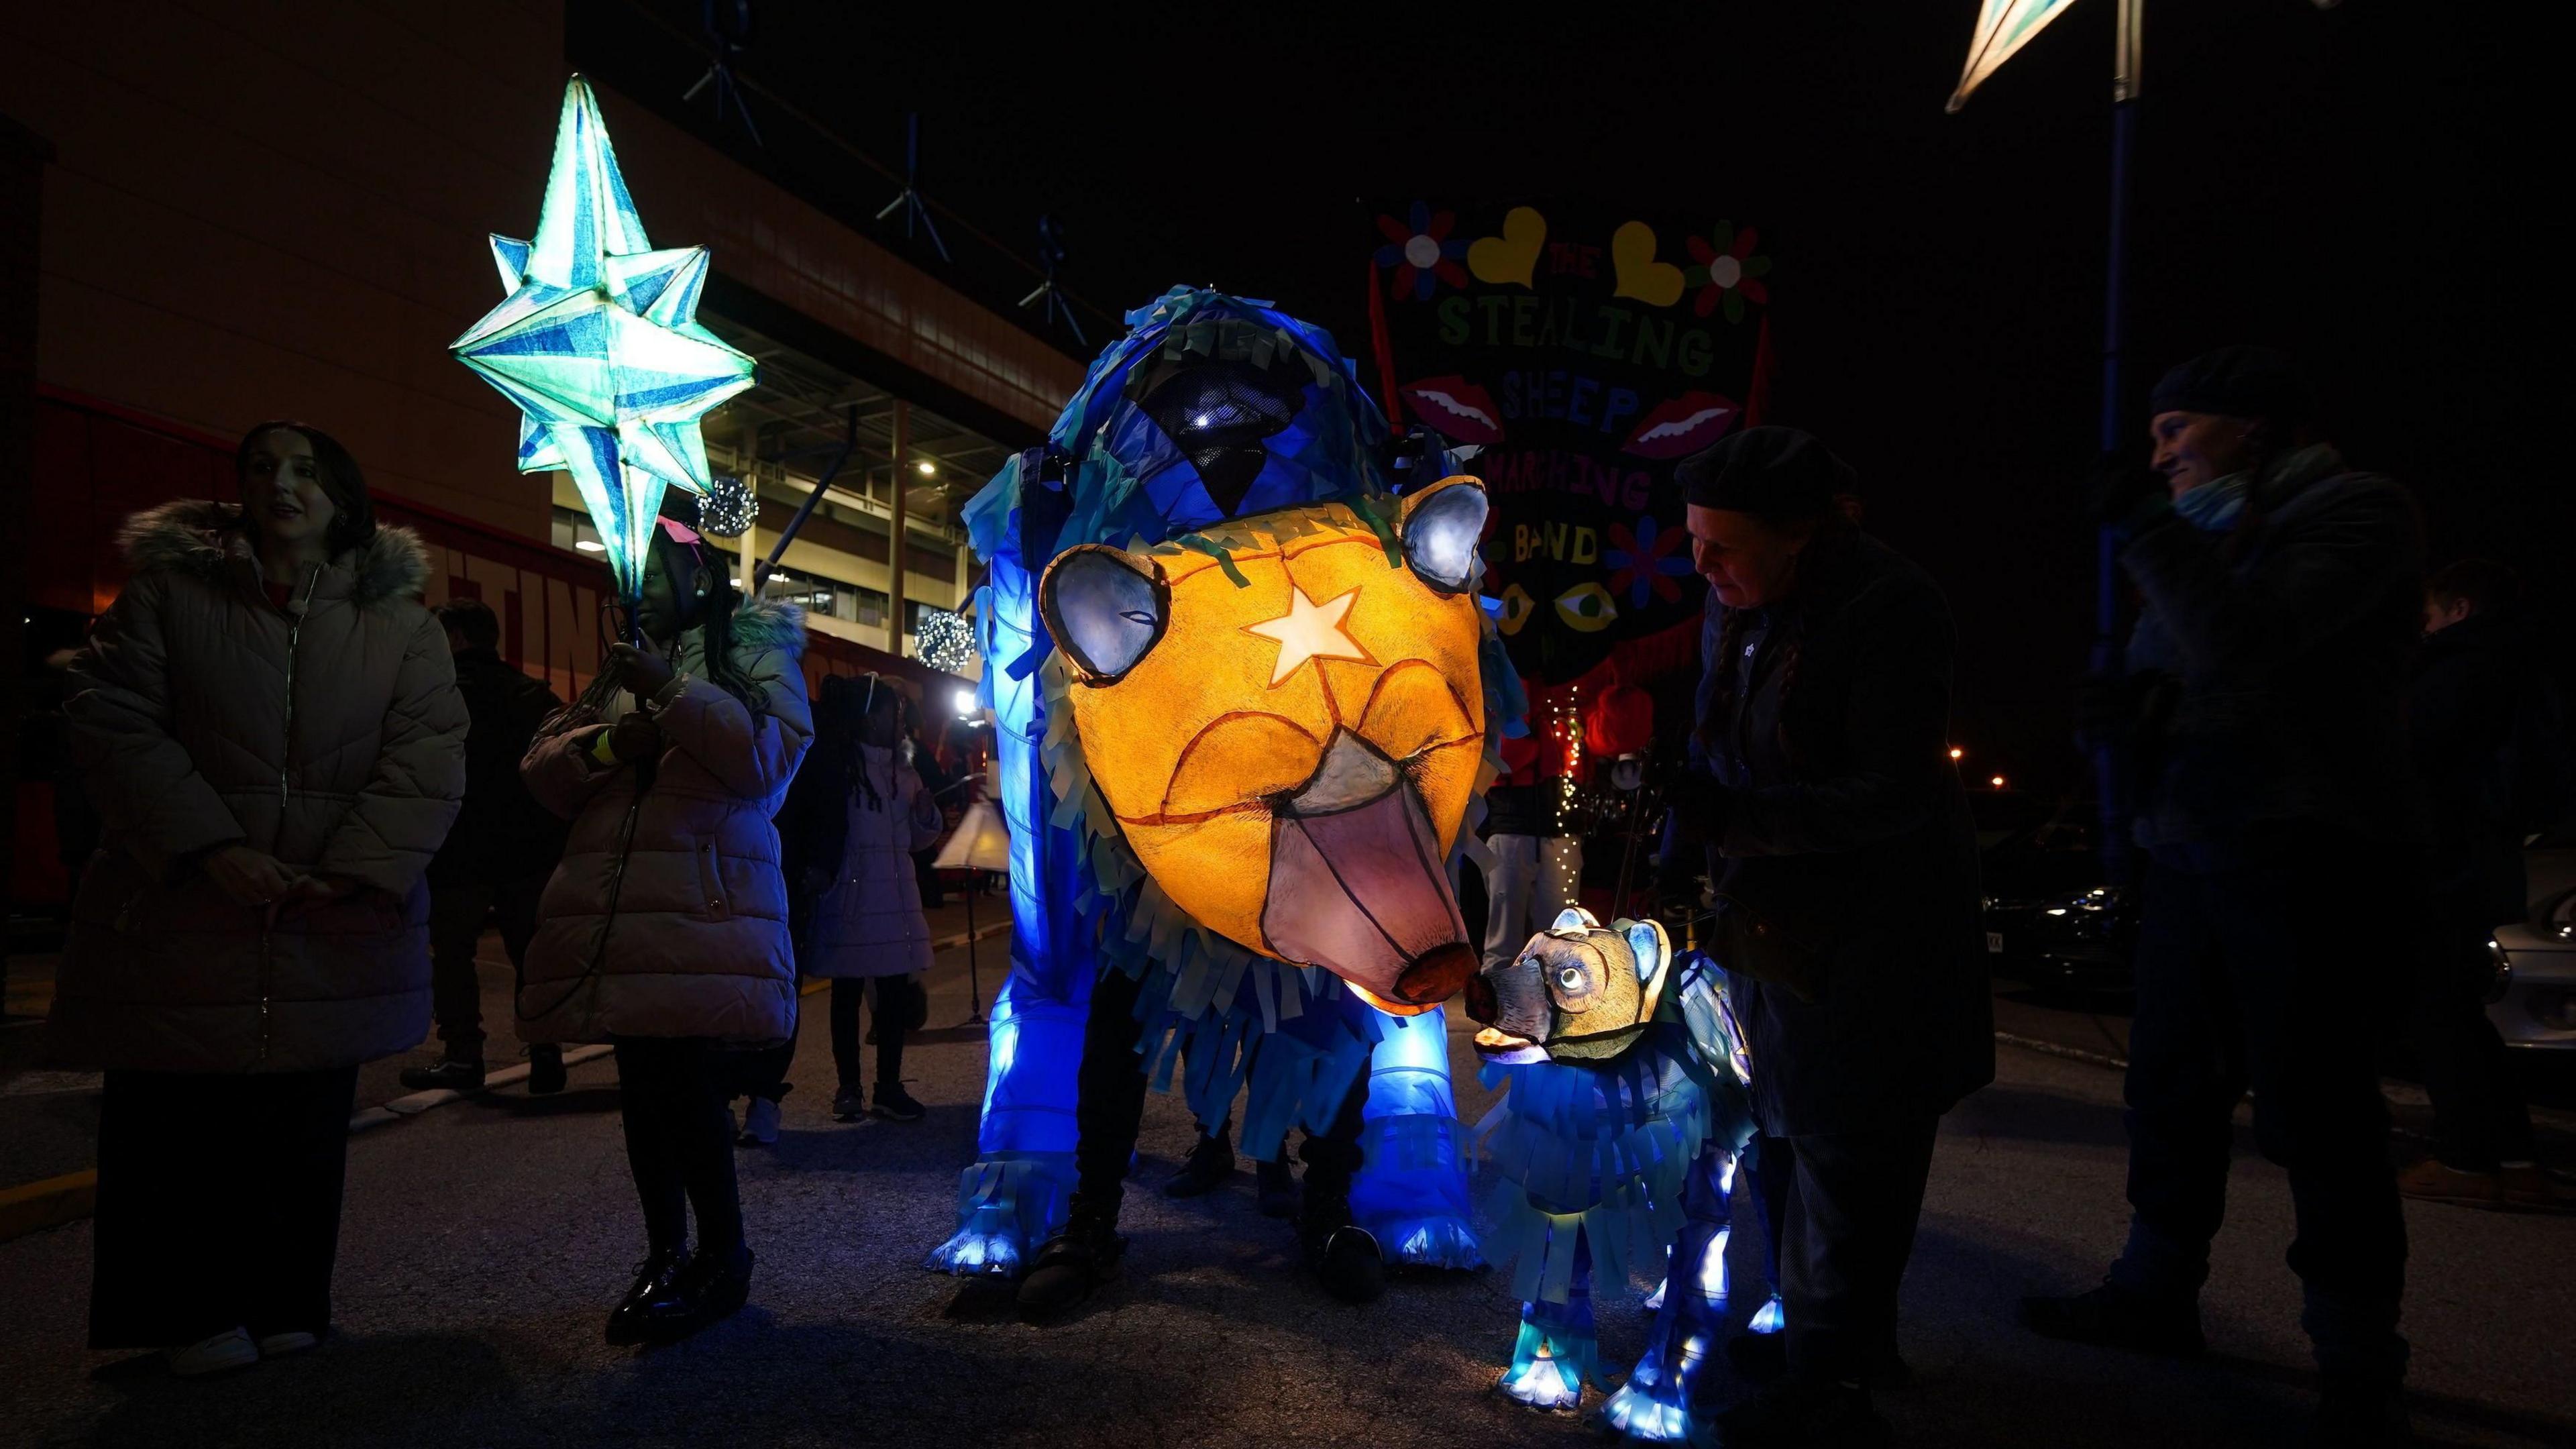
pixel 1957 754
pixel 1998 782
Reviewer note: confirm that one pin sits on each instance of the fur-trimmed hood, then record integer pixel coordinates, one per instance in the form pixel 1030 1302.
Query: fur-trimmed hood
pixel 763 625
pixel 206 540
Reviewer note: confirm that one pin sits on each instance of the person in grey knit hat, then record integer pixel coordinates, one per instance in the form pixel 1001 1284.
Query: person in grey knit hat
pixel 2265 692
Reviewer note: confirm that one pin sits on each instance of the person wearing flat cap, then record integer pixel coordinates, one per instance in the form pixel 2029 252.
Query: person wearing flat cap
pixel 1821 797
pixel 2280 602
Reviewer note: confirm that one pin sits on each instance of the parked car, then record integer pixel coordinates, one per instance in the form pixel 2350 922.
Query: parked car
pixel 2049 920
pixel 2534 1001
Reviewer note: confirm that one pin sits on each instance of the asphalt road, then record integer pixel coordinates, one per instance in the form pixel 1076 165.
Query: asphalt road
pixel 485 1240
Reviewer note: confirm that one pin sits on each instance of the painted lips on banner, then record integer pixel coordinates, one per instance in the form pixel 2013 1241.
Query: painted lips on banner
pixel 1583 352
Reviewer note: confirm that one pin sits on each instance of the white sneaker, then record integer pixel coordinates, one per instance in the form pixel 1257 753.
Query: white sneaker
pixel 230 1349
pixel 760 1123
pixel 279 1345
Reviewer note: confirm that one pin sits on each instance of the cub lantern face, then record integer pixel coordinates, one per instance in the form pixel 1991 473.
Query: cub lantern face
pixel 1578 992
pixel 1289 735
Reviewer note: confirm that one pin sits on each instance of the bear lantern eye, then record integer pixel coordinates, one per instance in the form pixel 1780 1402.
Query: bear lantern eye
pixel 1570 977
pixel 1440 534
pixel 1106 609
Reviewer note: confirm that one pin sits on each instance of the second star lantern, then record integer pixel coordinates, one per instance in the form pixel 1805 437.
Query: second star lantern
pixel 599 347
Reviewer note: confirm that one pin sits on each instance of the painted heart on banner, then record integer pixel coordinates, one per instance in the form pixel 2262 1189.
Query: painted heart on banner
pixel 1511 258
pixel 1632 252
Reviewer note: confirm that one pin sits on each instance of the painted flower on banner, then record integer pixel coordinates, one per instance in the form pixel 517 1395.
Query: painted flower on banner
pixel 1726 272
pixel 1421 253
pixel 1651 560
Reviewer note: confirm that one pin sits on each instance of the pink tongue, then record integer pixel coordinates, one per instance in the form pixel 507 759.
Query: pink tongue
pixel 1361 894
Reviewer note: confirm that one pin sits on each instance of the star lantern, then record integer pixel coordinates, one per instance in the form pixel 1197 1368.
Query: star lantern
pixel 599 347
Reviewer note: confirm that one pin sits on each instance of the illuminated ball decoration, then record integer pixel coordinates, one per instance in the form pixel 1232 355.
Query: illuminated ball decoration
pixel 945 641
pixel 727 508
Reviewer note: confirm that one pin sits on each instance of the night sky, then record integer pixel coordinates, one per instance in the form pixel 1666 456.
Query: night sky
pixel 2364 186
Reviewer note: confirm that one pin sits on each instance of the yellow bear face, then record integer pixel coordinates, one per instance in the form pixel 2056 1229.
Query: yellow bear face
pixel 1289 733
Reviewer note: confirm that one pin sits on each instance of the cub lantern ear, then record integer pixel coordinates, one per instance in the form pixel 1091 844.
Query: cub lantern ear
pixel 1575 918
pixel 1441 526
pixel 1649 943
pixel 1106 609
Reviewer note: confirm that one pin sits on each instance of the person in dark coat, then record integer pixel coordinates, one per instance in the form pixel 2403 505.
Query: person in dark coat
pixel 1844 863
pixel 496 859
pixel 268 722
pixel 2277 807
pixel 2483 724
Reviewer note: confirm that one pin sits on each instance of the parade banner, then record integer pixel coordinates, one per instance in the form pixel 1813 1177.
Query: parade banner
pixel 1580 352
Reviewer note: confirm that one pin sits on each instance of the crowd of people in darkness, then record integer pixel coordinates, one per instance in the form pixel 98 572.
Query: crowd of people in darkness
pixel 317 796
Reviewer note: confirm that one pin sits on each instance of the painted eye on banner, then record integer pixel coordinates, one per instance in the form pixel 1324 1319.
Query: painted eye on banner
pixel 1517 608
pixel 1586 608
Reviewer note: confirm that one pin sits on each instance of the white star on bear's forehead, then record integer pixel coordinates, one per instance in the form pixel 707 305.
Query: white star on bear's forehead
pixel 1310 630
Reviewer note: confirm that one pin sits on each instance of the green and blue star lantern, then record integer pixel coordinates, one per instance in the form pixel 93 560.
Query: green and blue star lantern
pixel 599 346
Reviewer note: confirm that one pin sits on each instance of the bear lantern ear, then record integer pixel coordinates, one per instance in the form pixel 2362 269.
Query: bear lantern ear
pixel 1441 526
pixel 1106 609
pixel 1575 919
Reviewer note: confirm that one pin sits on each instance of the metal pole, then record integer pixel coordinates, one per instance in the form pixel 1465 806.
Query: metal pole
pixel 974 980
pixel 895 544
pixel 2110 775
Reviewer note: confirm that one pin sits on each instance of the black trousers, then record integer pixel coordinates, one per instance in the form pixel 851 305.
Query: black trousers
pixel 1109 1109
pixel 2282 976
pixel 679 1139
pixel 1840 1210
pixel 457 911
pixel 2479 1119
pixel 218 1204
pixel 900 1003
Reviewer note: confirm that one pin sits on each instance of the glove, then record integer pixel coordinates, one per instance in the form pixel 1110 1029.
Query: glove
pixel 2128 495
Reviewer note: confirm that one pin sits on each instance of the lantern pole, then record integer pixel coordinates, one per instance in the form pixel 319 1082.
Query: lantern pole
pixel 2110 777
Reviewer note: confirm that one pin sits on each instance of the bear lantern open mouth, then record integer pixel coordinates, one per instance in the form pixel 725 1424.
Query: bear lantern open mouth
pixel 1356 883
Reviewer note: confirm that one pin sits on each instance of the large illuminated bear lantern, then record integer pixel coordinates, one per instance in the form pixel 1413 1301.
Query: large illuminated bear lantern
pixel 1245 701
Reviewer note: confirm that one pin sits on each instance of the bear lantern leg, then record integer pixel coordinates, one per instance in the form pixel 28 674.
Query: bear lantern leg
pixel 1654 1406
pixel 1412 1189
pixel 1558 1350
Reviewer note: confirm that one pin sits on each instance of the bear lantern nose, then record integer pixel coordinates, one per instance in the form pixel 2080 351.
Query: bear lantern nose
pixel 1480 1000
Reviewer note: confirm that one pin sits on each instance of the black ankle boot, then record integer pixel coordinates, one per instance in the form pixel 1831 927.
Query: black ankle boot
pixel 1278 1186
pixel 452 1074
pixel 656 1282
pixel 1209 1166
pixel 1343 1256
pixel 1073 1264
pixel 709 1290
pixel 2117 1317
pixel 545 1070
